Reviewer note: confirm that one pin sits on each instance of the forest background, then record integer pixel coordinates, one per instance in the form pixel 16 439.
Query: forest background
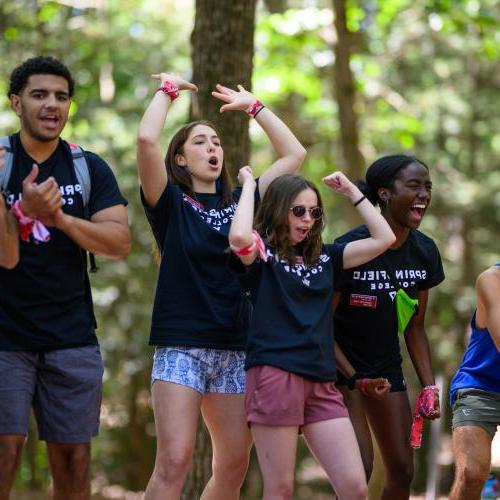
pixel 354 80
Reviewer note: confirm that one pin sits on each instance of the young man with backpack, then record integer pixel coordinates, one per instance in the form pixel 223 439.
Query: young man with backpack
pixel 49 354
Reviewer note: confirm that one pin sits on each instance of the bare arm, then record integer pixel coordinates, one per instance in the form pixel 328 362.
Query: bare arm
pixel 361 251
pixel 290 152
pixel 9 237
pixel 240 233
pixel 418 347
pixel 150 162
pixel 488 309
pixel 106 234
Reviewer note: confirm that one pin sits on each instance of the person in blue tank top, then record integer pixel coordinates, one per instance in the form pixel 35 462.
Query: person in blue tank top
pixel 475 391
pixel 198 324
pixel 290 364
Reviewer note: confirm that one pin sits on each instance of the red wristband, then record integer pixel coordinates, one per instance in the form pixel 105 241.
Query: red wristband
pixel 255 108
pixel 363 386
pixel 257 242
pixel 170 89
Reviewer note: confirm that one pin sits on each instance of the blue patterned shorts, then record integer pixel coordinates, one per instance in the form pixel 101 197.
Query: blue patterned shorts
pixel 204 370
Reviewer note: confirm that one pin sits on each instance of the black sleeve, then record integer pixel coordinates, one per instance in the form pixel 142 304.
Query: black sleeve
pixel 343 277
pixel 336 253
pixel 248 275
pixel 104 190
pixel 435 272
pixel 159 215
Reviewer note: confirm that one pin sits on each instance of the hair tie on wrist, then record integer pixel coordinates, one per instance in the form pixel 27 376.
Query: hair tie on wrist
pixel 255 108
pixel 359 201
pixel 169 89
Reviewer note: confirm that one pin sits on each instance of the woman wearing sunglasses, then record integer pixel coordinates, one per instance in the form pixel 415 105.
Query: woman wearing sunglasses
pixel 200 341
pixel 290 367
pixel 366 323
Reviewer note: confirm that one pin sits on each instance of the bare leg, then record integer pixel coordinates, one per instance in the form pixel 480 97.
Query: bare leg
pixel 276 447
pixel 11 449
pixel 355 403
pixel 390 420
pixel 472 450
pixel 176 409
pixel 70 467
pixel 335 446
pixel 224 415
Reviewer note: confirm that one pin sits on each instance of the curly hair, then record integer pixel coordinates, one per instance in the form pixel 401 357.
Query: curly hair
pixel 181 176
pixel 39 65
pixel 271 220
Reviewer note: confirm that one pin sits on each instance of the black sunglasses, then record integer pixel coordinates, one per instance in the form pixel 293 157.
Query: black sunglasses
pixel 315 212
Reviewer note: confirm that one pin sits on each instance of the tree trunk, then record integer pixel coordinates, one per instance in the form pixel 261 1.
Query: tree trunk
pixel 276 6
pixel 345 93
pixel 222 52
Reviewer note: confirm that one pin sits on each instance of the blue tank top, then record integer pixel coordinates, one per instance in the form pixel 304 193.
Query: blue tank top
pixel 480 368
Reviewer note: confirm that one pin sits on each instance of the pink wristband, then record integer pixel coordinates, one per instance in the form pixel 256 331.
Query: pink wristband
pixel 170 89
pixel 363 386
pixel 255 108
pixel 29 226
pixel 257 242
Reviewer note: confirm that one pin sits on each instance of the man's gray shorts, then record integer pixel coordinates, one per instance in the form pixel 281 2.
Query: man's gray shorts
pixel 477 408
pixel 63 386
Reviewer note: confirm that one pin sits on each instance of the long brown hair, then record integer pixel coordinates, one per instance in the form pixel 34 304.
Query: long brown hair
pixel 271 220
pixel 181 176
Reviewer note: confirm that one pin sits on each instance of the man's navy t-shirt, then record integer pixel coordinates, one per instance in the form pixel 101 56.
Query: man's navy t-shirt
pixel 291 326
pixel 45 301
pixel 365 319
pixel 198 298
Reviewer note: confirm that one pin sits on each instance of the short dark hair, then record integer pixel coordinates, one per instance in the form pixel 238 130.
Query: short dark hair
pixel 40 65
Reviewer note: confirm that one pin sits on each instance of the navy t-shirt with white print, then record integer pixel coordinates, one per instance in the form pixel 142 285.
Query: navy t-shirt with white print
pixel 198 298
pixel 291 326
pixel 365 319
pixel 45 301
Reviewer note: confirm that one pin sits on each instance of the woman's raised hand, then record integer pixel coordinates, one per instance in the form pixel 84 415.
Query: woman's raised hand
pixel 239 100
pixel 340 183
pixel 176 80
pixel 245 175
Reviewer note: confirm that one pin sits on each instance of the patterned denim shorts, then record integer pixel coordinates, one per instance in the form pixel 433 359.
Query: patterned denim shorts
pixel 204 370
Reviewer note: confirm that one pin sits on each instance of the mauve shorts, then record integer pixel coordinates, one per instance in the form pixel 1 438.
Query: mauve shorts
pixel 277 397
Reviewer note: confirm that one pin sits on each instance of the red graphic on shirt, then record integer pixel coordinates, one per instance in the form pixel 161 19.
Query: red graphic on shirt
pixel 358 300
